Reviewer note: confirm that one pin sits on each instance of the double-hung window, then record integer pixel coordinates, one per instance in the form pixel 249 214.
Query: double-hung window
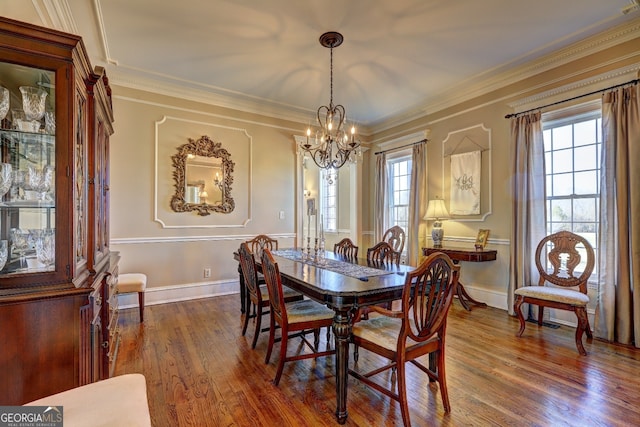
pixel 329 201
pixel 572 145
pixel 399 189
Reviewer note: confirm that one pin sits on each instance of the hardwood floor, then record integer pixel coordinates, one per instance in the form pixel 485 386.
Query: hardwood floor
pixel 201 372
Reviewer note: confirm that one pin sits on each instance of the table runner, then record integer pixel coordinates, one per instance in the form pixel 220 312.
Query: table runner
pixel 342 267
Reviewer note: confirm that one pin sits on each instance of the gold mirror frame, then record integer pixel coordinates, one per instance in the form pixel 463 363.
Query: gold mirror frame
pixel 207 148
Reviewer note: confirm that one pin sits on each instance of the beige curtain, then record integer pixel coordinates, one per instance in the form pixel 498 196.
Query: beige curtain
pixel 618 304
pixel 416 201
pixel 528 223
pixel 381 196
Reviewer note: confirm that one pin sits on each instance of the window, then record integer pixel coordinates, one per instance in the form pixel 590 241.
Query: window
pixel 329 200
pixel 572 160
pixel 399 175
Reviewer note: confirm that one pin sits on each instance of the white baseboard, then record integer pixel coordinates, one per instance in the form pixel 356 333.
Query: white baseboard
pixel 184 292
pixel 490 297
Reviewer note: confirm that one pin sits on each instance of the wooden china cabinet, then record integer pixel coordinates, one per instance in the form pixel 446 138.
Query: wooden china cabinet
pixel 57 275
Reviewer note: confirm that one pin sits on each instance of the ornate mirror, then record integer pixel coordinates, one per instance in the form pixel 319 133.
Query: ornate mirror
pixel 203 174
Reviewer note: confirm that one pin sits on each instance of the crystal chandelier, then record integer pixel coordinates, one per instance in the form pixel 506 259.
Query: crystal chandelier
pixel 331 147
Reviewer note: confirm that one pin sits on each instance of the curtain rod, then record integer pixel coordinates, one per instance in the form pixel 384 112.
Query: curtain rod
pixel 508 116
pixel 402 146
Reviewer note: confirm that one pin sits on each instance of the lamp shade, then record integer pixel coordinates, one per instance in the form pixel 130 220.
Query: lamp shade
pixel 436 210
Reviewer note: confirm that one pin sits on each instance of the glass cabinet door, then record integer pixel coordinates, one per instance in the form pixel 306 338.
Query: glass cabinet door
pixel 27 169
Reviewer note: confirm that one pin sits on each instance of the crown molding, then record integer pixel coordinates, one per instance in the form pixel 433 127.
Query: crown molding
pixel 193 91
pixel 56 14
pixel 507 74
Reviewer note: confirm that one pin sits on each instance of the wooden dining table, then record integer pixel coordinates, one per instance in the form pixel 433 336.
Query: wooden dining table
pixel 344 285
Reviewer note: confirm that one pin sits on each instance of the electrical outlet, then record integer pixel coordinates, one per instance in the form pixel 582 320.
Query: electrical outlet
pixel 207 273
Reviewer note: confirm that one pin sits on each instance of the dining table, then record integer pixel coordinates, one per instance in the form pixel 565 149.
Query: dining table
pixel 344 285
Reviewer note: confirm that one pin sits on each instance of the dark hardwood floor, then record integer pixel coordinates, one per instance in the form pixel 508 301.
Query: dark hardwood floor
pixel 201 372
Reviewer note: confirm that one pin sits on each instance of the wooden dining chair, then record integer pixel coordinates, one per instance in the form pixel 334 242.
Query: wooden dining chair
pixel 260 242
pixel 416 330
pixel 383 252
pixel 346 248
pixel 396 237
pixel 297 317
pixel 560 285
pixel 258 294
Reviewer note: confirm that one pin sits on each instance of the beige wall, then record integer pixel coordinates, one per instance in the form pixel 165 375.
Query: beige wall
pixel 174 258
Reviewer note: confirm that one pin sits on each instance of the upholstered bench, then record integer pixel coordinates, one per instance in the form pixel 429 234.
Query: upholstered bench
pixel 133 282
pixel 117 401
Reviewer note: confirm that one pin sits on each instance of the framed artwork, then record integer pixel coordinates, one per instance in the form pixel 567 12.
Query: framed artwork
pixel 481 239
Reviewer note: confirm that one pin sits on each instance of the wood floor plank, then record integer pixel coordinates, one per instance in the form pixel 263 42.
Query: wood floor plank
pixel 200 371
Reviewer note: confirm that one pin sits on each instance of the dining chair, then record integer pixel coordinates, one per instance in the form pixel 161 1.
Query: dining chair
pixel 383 252
pixel 261 241
pixel 298 317
pixel 396 237
pixel 346 248
pixel 258 294
pixel 557 258
pixel 416 330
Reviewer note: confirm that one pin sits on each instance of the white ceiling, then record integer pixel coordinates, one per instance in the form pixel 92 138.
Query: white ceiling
pixel 398 55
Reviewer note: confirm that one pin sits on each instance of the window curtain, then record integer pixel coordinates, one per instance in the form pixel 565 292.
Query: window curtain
pixel 528 223
pixel 618 303
pixel 416 201
pixel 381 196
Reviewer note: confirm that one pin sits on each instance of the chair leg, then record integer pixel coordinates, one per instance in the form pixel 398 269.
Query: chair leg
pixel 356 353
pixel 583 323
pixel 517 307
pixel 442 379
pixel 272 331
pixel 283 354
pixel 316 339
pixel 258 326
pixel 246 318
pixel 402 392
pixel 141 305
pixel 540 315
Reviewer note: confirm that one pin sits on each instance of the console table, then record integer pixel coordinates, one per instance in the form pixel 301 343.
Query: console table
pixel 469 255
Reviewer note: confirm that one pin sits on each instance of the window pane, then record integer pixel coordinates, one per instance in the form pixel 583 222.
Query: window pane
pixel 584 133
pixel 561 210
pixel 562 184
pixel 562 161
pixel 562 137
pixel 586 182
pixel 585 157
pixel 584 210
pixel 560 226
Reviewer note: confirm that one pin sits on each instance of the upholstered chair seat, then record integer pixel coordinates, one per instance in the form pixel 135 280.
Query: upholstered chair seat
pixel 548 293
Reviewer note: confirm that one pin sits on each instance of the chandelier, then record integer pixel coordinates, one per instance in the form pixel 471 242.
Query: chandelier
pixel 331 147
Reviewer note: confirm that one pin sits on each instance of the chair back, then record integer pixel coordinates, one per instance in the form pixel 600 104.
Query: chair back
pixel 395 236
pixel 346 248
pixel 383 252
pixel 427 296
pixel 260 242
pixel 249 272
pixel 563 254
pixel 272 277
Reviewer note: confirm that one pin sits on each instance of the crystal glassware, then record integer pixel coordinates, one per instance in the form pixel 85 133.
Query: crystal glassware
pixel 45 245
pixel 33 100
pixel 20 243
pixel 6 176
pixel 4 102
pixel 4 252
pixel 38 180
pixel 50 122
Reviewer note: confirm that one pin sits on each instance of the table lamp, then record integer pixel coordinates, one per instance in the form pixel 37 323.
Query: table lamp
pixel 437 211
